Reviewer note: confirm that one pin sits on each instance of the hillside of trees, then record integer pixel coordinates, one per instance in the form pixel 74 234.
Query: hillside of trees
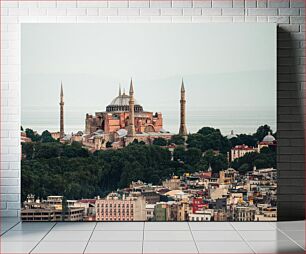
pixel 52 168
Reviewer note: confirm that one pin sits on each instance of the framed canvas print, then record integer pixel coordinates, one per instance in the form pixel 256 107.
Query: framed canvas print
pixel 148 122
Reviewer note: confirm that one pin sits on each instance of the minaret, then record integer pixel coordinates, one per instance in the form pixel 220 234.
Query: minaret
pixel 131 128
pixel 119 90
pixel 62 112
pixel 183 130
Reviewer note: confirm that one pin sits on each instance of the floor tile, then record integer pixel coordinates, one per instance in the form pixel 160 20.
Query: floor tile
pixel 216 236
pixel 119 226
pixel 296 235
pixel 111 247
pixel 273 235
pixel 273 224
pixel 167 236
pixel 22 236
pixel 33 226
pixel 291 225
pixel 253 226
pixel 69 236
pixel 172 237
pixel 99 236
pixel 169 247
pixel 74 226
pixel 7 225
pixel 13 220
pixel 3 230
pixel 60 247
pixel 276 247
pixel 223 247
pixel 17 247
pixel 166 226
pixel 211 226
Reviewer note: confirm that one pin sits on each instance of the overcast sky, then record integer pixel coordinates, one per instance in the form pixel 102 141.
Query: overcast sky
pixel 223 65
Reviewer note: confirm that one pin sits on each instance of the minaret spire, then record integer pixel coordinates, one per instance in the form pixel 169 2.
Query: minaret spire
pixel 131 128
pixel 62 132
pixel 62 93
pixel 182 86
pixel 183 130
pixel 131 87
pixel 119 89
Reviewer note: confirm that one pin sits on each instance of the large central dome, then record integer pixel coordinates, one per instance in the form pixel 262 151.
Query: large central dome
pixel 121 103
pixel 122 100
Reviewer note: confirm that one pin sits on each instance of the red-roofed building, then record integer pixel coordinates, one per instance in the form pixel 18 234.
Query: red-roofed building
pixel 198 204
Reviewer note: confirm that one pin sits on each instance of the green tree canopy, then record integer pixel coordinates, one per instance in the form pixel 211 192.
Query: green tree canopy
pixel 193 156
pixel 177 139
pixel 70 170
pixel 46 137
pixel 32 135
pixel 262 131
pixel 179 153
pixel 264 159
pixel 209 138
pixel 160 142
pixel 216 161
pixel 53 168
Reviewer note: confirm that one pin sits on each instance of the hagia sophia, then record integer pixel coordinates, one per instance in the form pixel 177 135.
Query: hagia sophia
pixel 123 121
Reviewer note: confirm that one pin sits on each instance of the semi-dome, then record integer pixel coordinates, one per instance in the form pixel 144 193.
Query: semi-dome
pixel 268 138
pixel 122 132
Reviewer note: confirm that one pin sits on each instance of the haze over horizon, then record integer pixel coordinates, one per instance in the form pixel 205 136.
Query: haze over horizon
pixel 226 68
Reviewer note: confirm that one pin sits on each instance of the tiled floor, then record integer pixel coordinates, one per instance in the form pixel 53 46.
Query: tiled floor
pixel 152 237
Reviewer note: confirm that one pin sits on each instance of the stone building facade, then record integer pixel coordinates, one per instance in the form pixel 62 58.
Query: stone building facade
pixel 116 127
pixel 116 117
pixel 121 208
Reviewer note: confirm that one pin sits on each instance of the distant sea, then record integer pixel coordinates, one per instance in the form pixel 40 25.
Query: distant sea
pixel 239 119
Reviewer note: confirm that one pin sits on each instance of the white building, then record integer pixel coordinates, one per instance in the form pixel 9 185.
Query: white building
pixel 205 215
pixel 150 212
